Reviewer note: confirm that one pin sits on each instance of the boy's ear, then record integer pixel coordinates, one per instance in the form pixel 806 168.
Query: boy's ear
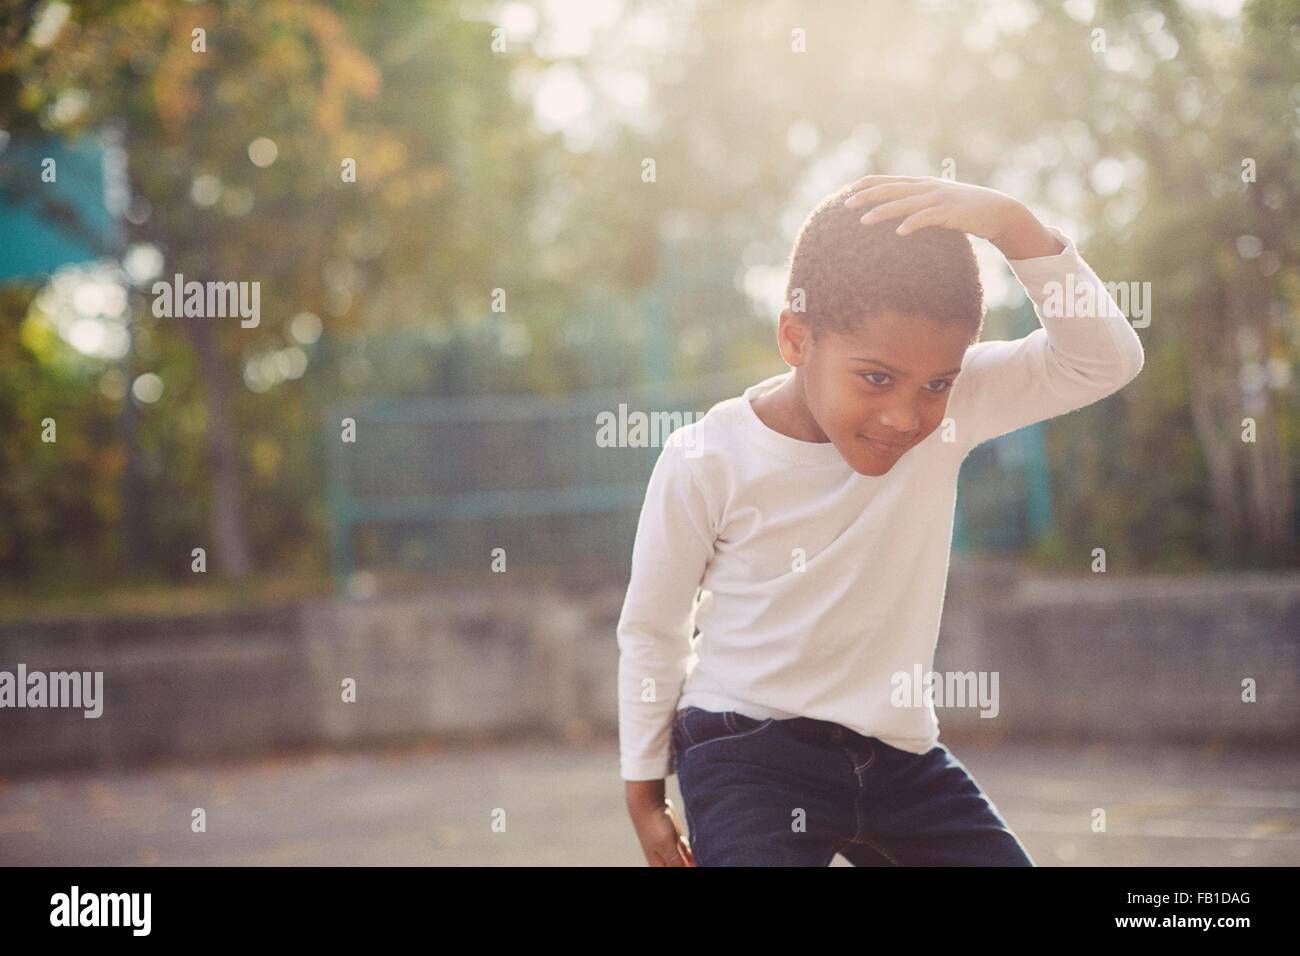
pixel 793 338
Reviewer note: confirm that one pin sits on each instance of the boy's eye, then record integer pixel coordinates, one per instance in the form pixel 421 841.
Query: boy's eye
pixel 943 383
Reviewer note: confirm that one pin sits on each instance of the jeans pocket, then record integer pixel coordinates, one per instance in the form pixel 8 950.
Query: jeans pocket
pixel 694 727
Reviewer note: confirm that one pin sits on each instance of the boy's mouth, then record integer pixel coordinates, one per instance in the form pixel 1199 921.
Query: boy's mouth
pixel 881 445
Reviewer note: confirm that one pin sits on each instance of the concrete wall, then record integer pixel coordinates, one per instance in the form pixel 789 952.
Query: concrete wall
pixel 1101 657
pixel 1109 657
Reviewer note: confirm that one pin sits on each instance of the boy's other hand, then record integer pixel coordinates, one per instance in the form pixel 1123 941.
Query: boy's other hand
pixel 657 826
pixel 923 201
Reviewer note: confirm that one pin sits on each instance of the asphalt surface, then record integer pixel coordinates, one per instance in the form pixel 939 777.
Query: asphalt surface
pixel 546 803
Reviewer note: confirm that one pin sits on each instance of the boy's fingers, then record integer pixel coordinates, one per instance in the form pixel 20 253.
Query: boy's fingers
pixel 873 194
pixel 671 855
pixel 684 848
pixel 672 814
pixel 902 207
pixel 931 216
pixel 874 180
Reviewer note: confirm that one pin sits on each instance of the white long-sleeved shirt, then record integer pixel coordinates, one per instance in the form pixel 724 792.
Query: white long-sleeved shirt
pixel 818 584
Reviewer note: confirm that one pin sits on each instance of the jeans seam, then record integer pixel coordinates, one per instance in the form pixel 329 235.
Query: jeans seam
pixel 877 847
pixel 857 806
pixel 870 760
pixel 716 740
pixel 681 725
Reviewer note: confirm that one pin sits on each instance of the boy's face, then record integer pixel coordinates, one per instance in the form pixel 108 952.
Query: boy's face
pixel 889 380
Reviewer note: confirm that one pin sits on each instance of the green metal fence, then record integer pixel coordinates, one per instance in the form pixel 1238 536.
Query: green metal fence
pixel 440 483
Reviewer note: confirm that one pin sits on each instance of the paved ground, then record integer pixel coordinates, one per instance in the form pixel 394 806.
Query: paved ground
pixel 564 806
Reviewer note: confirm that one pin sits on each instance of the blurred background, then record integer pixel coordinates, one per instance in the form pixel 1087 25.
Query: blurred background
pixel 477 228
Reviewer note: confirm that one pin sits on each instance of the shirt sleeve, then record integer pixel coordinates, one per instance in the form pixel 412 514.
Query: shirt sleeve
pixel 674 543
pixel 1085 350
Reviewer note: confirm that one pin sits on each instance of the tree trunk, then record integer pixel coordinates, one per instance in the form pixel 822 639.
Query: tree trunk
pixel 1250 482
pixel 135 518
pixel 227 518
pixel 1213 420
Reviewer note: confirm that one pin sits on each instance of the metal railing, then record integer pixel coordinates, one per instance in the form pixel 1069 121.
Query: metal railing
pixel 442 482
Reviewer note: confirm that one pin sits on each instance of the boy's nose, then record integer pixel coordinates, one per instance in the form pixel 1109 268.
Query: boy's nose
pixel 897 423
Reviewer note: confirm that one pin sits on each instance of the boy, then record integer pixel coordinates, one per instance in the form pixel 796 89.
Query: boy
pixel 815 513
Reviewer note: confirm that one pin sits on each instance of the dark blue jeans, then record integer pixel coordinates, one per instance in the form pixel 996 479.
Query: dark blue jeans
pixel 796 792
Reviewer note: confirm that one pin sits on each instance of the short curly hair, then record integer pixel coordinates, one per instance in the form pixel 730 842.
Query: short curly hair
pixel 849 272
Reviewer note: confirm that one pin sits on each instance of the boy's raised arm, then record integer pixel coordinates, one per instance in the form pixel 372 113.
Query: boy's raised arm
pixel 1084 351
